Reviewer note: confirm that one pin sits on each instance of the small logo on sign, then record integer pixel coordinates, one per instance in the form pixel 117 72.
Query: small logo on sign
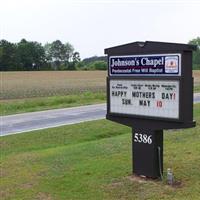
pixel 171 64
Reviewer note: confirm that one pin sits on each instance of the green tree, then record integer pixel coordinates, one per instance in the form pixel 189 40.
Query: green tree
pixel 76 57
pixel 38 55
pixel 8 56
pixel 196 54
pixel 48 57
pixel 69 52
pixel 47 49
pixel 80 65
pixel 60 55
pixel 31 55
pixel 98 65
pixel 56 53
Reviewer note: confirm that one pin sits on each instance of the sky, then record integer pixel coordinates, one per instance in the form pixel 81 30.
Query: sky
pixel 92 26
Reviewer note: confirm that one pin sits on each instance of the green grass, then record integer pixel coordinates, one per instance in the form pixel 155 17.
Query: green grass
pixel 92 160
pixel 196 88
pixel 196 67
pixel 8 107
pixel 45 103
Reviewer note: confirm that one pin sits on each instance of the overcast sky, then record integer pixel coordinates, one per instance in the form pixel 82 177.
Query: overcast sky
pixel 91 26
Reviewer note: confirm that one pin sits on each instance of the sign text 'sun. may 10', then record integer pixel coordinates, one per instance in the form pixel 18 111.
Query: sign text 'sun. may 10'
pixel 145 98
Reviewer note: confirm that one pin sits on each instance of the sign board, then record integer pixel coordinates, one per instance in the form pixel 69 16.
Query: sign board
pixel 143 65
pixel 156 78
pixel 152 98
pixel 150 88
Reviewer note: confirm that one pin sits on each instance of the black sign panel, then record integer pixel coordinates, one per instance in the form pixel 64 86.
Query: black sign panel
pixel 150 88
pixel 134 69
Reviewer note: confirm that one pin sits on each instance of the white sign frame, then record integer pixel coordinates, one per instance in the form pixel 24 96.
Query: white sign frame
pixel 173 107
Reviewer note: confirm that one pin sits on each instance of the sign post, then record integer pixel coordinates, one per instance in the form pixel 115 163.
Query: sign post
pixel 150 88
pixel 147 147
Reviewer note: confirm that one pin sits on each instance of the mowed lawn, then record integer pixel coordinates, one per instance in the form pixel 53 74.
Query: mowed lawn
pixel 92 160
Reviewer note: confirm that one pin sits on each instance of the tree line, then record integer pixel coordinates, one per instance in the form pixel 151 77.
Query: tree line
pixel 30 55
pixel 196 54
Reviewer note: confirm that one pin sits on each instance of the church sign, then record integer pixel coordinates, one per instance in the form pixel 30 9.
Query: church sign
pixel 150 88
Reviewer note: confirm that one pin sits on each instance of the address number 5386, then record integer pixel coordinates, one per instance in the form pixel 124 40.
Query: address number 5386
pixel 143 138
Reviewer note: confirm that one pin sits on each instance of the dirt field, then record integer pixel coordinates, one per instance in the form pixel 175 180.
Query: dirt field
pixel 196 74
pixel 15 85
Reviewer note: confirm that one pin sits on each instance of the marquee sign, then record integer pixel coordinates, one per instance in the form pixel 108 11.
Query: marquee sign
pixel 150 89
pixel 158 98
pixel 155 64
